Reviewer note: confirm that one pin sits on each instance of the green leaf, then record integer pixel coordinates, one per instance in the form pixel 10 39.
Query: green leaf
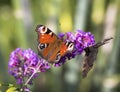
pixel 12 89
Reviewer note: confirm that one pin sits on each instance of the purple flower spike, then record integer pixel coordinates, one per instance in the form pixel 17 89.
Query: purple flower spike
pixel 23 63
pixel 81 41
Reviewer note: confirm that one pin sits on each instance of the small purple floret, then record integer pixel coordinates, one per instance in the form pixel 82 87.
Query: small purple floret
pixel 83 40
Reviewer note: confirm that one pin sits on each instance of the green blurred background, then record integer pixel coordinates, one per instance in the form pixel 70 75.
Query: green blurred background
pixel 18 19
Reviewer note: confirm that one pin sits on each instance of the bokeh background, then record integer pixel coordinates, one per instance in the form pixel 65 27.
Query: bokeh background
pixel 18 19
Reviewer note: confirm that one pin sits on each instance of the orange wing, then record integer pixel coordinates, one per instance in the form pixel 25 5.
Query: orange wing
pixel 66 47
pixel 45 35
pixel 63 49
pixel 46 38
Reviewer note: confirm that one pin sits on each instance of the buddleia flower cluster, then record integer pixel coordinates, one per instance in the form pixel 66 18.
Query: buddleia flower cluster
pixel 25 65
pixel 81 41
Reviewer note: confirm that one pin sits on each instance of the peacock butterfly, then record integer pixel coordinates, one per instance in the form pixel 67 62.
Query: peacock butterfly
pixel 50 46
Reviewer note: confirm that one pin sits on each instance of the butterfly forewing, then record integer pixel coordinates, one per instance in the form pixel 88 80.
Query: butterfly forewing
pixel 47 37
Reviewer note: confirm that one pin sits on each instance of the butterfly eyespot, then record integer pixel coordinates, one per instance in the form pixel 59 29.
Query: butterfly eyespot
pixel 43 29
pixel 57 57
pixel 70 47
pixel 41 46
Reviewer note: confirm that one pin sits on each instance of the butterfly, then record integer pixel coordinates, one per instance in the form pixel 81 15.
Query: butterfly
pixel 50 46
